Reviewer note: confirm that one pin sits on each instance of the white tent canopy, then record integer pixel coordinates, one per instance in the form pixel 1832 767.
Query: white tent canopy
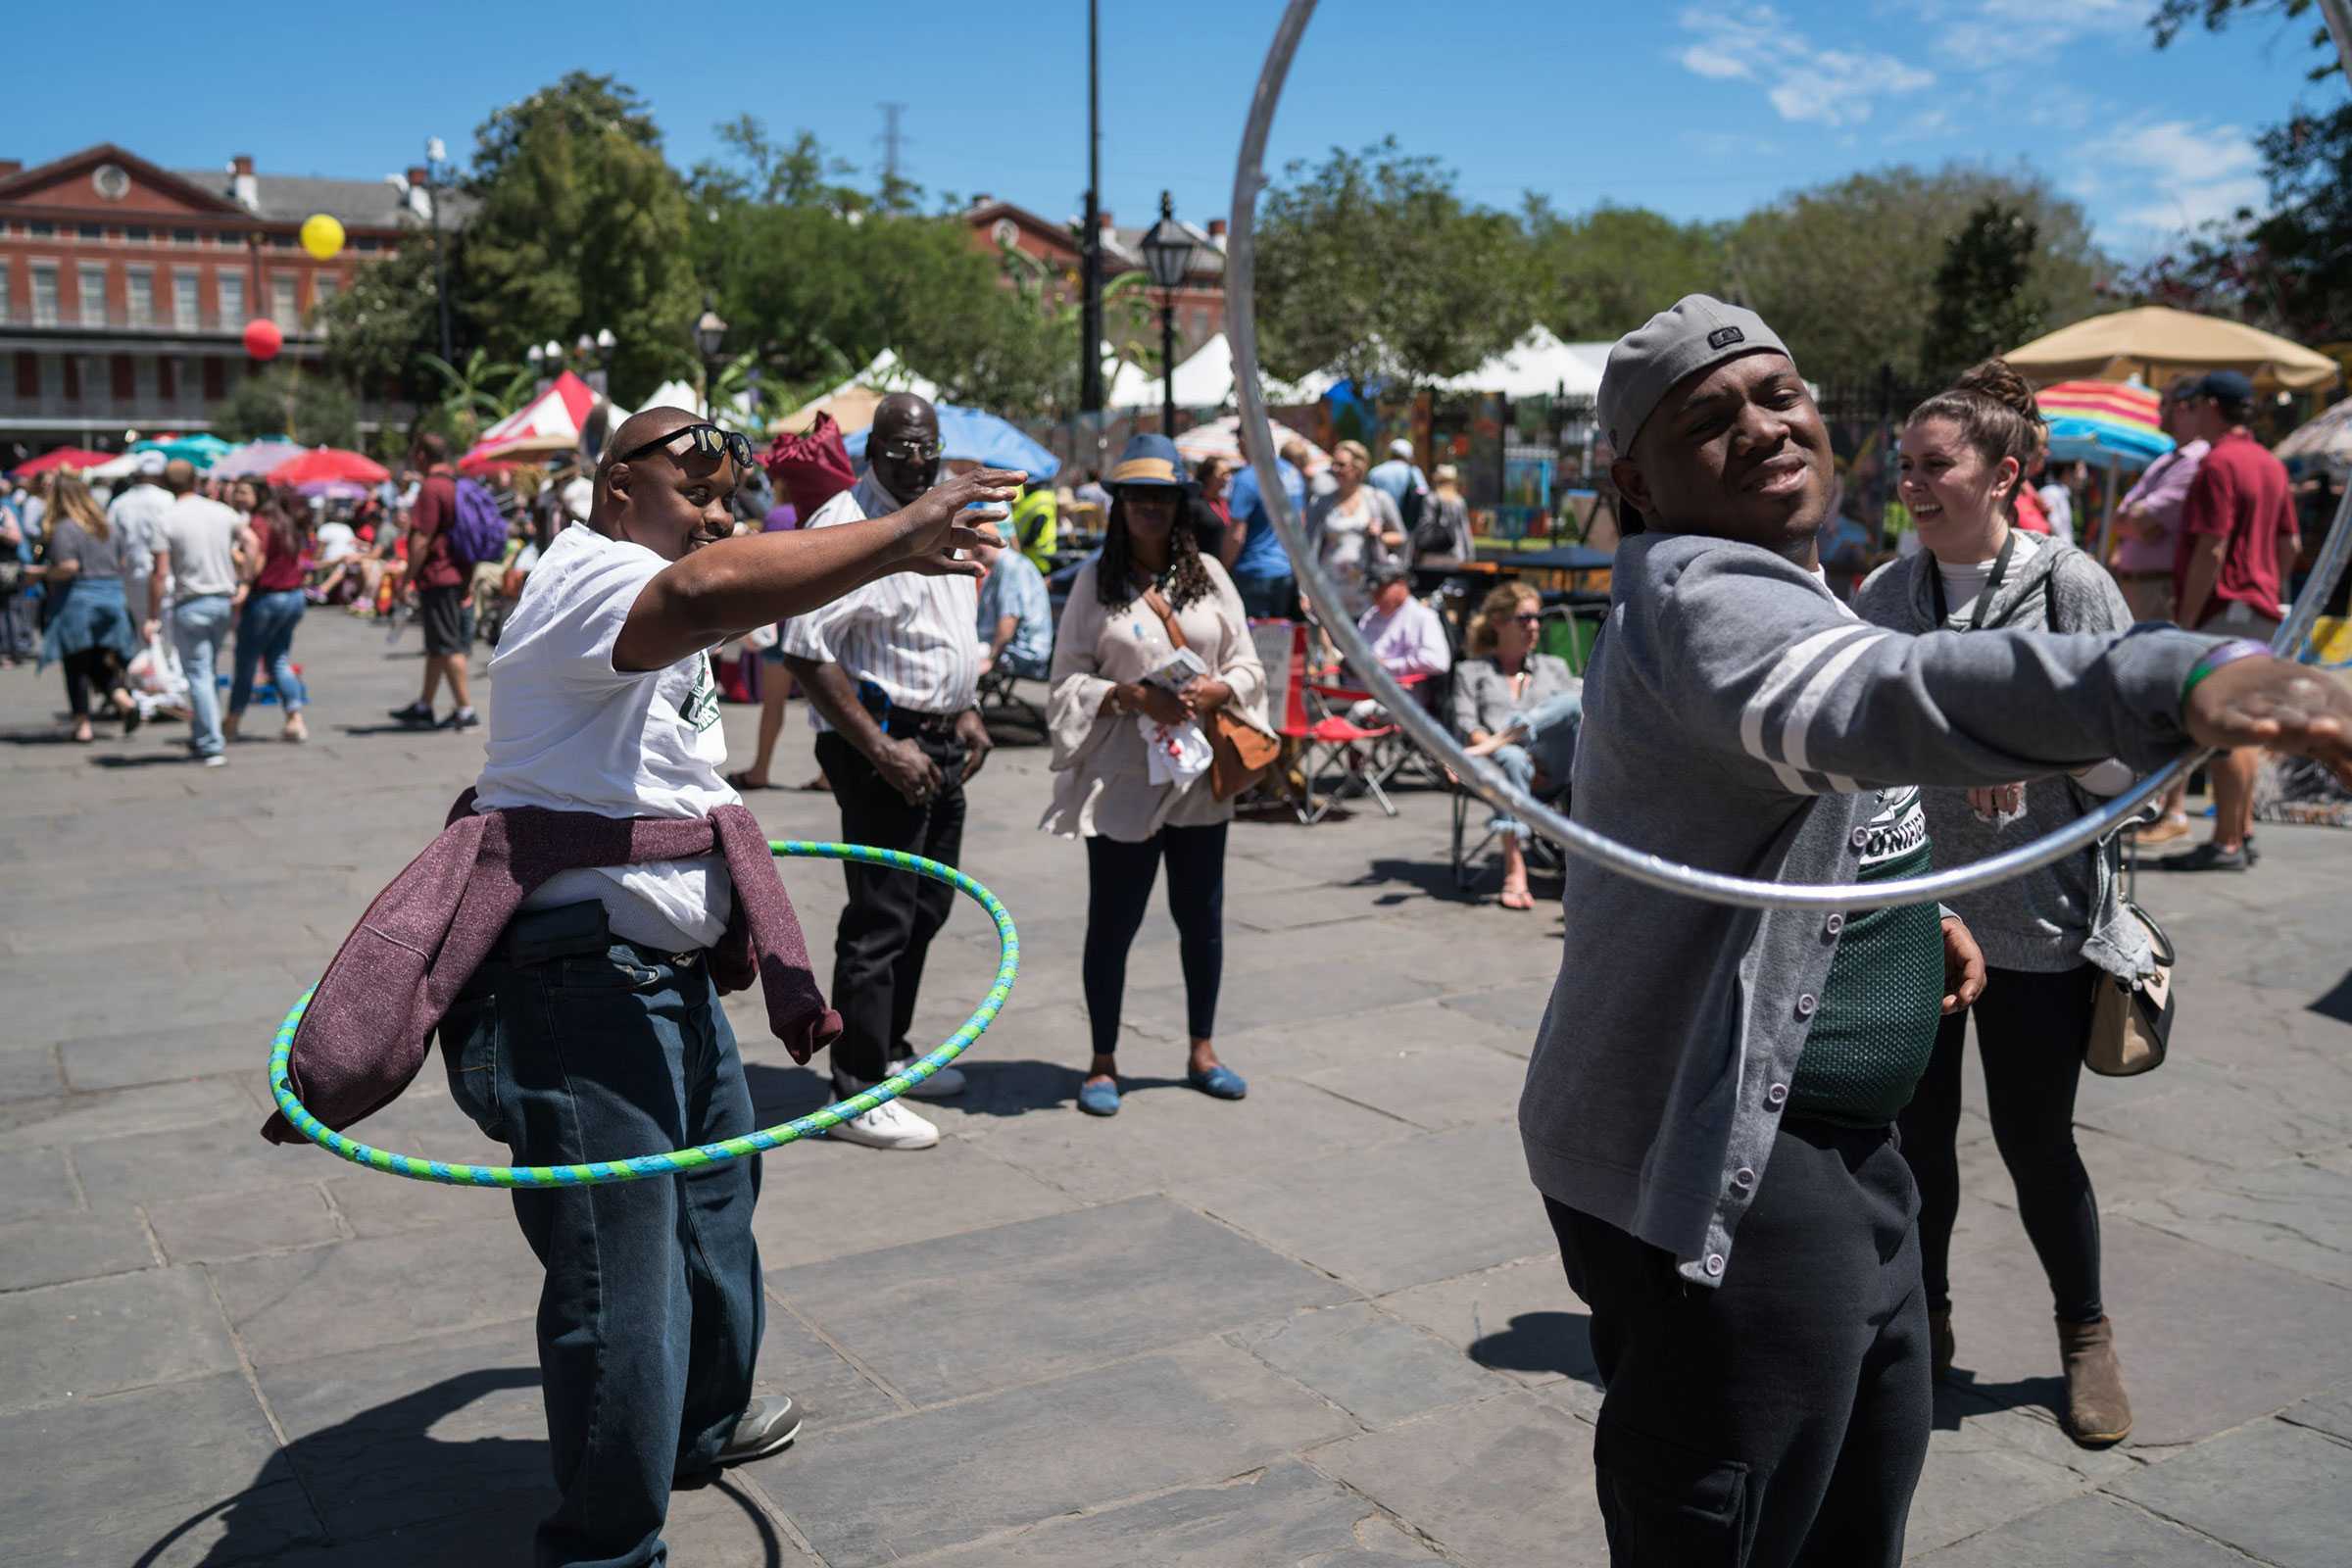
pixel 887 372
pixel 1538 364
pixel 1205 380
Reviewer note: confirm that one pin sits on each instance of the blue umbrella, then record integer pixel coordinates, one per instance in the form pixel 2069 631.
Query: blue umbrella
pixel 982 438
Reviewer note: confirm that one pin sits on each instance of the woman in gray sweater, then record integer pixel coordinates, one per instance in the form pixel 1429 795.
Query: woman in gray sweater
pixel 2050 938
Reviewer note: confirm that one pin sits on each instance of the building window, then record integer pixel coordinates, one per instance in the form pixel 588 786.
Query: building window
pixel 184 310
pixel 93 296
pixel 44 294
pixel 137 235
pixel 216 381
pixel 283 309
pixel 284 242
pixel 126 379
pixel 232 299
pixel 166 387
pixel 28 374
pixel 8 306
pixel 73 370
pixel 92 231
pixel 323 287
pixel 42 229
pixel 183 236
pixel 368 245
pixel 138 296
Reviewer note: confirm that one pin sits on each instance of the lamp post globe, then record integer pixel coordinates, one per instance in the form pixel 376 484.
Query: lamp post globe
pixel 709 333
pixel 1167 256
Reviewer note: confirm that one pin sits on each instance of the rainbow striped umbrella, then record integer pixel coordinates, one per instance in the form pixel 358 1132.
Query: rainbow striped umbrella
pixel 2112 423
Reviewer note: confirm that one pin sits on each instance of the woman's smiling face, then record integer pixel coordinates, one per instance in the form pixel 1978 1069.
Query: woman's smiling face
pixel 1952 493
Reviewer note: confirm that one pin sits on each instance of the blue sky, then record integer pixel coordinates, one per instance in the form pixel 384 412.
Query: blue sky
pixel 1699 110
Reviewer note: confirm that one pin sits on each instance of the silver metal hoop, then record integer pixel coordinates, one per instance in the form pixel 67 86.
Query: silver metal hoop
pixel 1241 326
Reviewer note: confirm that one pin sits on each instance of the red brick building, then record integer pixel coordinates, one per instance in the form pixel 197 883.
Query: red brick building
pixel 1199 303
pixel 124 289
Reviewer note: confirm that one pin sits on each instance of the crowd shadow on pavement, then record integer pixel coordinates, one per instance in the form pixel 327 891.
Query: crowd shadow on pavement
pixel 2337 1003
pixel 1963 1397
pixel 991 1088
pixel 1541 1342
pixel 381 1478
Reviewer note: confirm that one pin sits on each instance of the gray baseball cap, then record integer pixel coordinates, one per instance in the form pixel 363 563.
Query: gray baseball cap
pixel 1696 335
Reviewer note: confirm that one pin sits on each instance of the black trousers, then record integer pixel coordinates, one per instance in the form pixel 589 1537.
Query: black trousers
pixel 2031 1031
pixel 1118 890
pixel 887 926
pixel 98 669
pixel 1782 1417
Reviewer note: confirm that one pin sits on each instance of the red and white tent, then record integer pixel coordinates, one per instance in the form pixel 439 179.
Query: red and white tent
pixel 549 424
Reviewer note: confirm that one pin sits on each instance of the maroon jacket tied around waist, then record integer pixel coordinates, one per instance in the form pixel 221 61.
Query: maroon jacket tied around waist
pixel 362 1038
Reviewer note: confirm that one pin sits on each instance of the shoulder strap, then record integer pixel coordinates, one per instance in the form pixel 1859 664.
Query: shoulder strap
pixel 1167 616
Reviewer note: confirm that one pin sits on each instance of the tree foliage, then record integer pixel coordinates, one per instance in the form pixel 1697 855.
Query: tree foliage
pixel 293 401
pixel 1981 307
pixel 1373 264
pixel 1602 274
pixel 1847 271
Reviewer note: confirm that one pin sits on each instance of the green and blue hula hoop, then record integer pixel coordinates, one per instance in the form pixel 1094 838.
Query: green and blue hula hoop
pixel 680 1159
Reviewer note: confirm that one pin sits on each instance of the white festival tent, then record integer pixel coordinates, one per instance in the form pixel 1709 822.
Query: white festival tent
pixel 1538 365
pixel 1204 380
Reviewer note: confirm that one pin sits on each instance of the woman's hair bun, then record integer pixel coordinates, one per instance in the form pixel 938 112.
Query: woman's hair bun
pixel 1998 379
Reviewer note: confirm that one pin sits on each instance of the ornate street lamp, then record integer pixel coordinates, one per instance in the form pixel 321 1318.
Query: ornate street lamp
pixel 1168 258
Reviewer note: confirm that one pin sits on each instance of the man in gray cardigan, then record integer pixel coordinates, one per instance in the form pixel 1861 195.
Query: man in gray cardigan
pixel 1705 1073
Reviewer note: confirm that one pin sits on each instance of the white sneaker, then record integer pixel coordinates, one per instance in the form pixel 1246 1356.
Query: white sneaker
pixel 889 1125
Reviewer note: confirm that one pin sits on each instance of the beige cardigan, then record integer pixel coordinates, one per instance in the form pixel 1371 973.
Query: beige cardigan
pixel 1101 783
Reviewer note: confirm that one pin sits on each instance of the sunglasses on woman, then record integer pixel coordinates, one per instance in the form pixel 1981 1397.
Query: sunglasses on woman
pixel 1527 618
pixel 707 440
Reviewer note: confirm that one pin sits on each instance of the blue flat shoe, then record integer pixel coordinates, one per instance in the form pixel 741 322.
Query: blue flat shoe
pixel 1219 1082
pixel 1100 1099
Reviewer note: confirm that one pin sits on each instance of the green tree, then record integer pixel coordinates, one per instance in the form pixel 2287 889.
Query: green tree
pixel 480 391
pixel 2290 270
pixel 1847 271
pixel 581 226
pixel 376 328
pixel 1602 274
pixel 293 401
pixel 1372 263
pixel 1980 304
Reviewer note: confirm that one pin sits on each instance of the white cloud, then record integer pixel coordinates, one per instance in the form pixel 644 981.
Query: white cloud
pixel 1989 32
pixel 2167 174
pixel 1826 87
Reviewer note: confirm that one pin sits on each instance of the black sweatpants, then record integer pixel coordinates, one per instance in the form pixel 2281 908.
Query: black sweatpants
pixel 1781 1417
pixel 90 670
pixel 1118 890
pixel 2031 1031
pixel 887 926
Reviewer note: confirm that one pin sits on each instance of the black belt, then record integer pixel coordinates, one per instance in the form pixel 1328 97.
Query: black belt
pixel 899 723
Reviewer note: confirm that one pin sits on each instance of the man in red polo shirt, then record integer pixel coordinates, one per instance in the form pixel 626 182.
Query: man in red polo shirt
pixel 2237 531
pixel 439 580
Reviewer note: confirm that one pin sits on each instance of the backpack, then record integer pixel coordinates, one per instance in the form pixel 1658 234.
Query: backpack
pixel 477 529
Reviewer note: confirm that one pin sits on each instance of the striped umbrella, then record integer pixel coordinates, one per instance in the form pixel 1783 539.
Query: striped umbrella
pixel 2110 423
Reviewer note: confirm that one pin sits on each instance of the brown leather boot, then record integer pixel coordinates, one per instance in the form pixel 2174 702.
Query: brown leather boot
pixel 1940 1343
pixel 2098 1414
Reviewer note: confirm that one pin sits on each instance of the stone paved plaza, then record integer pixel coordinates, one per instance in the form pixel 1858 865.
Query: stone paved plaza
pixel 1324 1326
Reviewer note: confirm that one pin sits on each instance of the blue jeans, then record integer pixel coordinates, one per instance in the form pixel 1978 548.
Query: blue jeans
pixel 199 629
pixel 1267 597
pixel 266 636
pixel 568 1046
pixel 1550 745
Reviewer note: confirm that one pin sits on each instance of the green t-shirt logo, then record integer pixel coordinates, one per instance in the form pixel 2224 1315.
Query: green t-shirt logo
pixel 700 710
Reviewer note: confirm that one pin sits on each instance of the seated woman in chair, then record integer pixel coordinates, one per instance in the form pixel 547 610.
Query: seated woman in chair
pixel 1519 708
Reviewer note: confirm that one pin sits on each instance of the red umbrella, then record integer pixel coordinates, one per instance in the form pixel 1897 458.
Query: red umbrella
pixel 61 458
pixel 328 463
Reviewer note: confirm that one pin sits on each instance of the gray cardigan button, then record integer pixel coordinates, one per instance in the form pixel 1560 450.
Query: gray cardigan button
pixel 1743 1178
pixel 1776 1094
pixel 1834 924
pixel 1714 1265
pixel 1806 1005
pixel 1858 837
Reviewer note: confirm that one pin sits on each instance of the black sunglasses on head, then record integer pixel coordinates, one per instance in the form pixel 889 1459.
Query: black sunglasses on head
pixel 709 441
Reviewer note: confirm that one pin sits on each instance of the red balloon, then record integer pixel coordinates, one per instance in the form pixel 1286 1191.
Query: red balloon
pixel 262 339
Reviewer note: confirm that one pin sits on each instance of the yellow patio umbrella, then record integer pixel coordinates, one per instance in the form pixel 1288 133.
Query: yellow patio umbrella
pixel 2157 343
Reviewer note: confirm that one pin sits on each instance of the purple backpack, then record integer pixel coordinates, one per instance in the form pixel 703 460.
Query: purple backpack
pixel 477 532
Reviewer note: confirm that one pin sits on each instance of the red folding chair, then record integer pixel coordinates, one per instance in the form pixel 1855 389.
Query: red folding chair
pixel 1326 740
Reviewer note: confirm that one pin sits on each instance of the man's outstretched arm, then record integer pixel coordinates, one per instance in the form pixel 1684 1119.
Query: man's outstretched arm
pixel 730 586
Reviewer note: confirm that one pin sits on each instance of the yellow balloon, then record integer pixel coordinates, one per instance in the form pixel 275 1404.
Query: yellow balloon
pixel 322 236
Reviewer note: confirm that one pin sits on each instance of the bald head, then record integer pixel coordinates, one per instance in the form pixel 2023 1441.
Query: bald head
pixel 668 502
pixel 902 447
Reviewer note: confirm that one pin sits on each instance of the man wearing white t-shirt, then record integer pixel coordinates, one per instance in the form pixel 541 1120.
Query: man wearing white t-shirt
pixel 194 552
pixel 592 1030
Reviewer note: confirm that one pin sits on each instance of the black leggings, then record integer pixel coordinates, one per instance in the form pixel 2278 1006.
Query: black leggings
pixel 98 669
pixel 2031 1031
pixel 1119 889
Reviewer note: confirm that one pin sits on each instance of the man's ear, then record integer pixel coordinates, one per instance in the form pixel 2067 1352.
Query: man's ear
pixel 1633 484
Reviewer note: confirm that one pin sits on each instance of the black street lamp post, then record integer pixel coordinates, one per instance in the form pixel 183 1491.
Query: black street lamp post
pixel 1168 257
pixel 709 333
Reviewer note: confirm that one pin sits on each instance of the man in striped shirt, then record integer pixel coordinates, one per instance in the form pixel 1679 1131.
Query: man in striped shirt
pixel 891 671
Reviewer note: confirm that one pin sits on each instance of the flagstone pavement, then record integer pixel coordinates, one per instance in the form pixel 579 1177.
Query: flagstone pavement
pixel 1323 1326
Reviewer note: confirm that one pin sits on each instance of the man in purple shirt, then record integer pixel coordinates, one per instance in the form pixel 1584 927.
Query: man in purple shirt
pixel 2148 522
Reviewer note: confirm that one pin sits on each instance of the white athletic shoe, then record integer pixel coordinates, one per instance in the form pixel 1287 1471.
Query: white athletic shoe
pixel 945 1084
pixel 890 1125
